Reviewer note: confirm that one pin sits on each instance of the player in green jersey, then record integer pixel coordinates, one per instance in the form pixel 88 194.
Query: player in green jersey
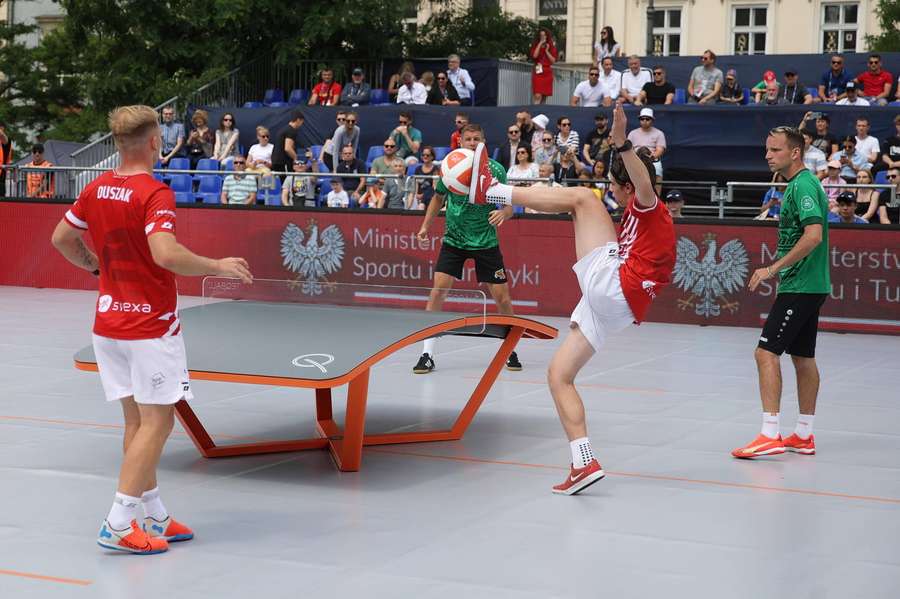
pixel 802 263
pixel 471 232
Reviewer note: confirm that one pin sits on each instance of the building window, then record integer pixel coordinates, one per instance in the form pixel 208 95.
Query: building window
pixel 839 26
pixel 749 30
pixel 667 32
pixel 557 13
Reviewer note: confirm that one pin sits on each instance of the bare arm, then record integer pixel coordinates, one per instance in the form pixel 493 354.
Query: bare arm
pixel 67 240
pixel 637 172
pixel 873 206
pixel 886 92
pixel 812 236
pixel 289 148
pixel 174 257
pixel 573 101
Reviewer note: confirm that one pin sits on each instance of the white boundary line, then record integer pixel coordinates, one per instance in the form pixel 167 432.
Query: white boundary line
pixel 421 298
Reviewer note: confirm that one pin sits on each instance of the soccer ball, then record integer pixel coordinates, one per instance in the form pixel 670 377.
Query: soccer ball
pixel 456 170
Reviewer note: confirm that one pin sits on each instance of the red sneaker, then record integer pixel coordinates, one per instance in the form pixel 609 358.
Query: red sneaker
pixel 481 176
pixel 169 529
pixel 798 445
pixel 760 446
pixel 580 479
pixel 130 540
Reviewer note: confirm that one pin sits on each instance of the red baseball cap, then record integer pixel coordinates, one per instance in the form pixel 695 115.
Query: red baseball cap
pixel 769 76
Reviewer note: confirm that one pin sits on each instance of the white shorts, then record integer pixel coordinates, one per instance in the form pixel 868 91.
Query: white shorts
pixel 154 371
pixel 603 309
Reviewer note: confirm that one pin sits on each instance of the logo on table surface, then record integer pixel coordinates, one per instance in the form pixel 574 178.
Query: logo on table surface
pixel 312 254
pixel 707 280
pixel 319 361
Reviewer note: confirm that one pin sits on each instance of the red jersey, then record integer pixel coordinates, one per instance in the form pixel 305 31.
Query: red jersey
pixel 873 85
pixel 454 140
pixel 328 93
pixel 647 251
pixel 137 297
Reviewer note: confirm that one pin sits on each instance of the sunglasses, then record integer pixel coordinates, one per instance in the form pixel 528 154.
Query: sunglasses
pixel 565 124
pixel 390 145
pixel 340 119
pixel 644 118
pixel 236 162
pixel 521 152
pixel 837 62
pixel 404 122
pixel 547 139
pixel 459 122
pixel 350 122
pixel 657 73
pixel 441 78
pixel 594 74
pixel 513 131
pixel 264 136
pixel 228 118
pixel 892 177
pixel 427 155
pixel 873 62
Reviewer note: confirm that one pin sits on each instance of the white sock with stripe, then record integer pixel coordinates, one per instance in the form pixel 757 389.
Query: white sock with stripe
pixel 428 346
pixel 153 505
pixel 582 452
pixel 804 427
pixel 770 424
pixel 124 509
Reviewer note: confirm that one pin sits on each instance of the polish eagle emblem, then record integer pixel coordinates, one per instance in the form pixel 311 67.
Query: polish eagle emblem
pixel 708 279
pixel 312 254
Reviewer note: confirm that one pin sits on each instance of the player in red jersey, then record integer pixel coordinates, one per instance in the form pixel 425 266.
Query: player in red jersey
pixel 130 218
pixel 619 274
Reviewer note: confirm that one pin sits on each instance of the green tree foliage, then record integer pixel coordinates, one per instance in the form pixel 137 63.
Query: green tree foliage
pixel 888 12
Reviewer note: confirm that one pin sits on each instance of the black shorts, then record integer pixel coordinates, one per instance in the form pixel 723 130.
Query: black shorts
pixel 792 324
pixel 488 263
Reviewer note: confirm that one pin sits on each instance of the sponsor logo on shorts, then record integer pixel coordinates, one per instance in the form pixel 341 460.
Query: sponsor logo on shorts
pixel 157 380
pixel 650 288
pixel 107 304
pixel 500 274
pixel 185 386
pixel 764 339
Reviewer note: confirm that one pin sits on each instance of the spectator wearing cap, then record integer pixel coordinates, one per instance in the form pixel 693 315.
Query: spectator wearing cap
pixel 596 143
pixel 327 92
pixel 731 93
pixel 675 203
pixel 287 144
pixel 588 93
pixel 851 97
pixel 706 80
pixel 658 91
pixel 814 159
pixel 793 92
pixel 299 191
pixel 832 86
pixel 875 81
pixel 239 188
pixel 846 210
pixel 611 81
pixel 350 164
pixel 822 137
pixel 851 159
pixel 766 91
pixel 833 183
pixel 39 184
pixel 443 94
pixel 357 92
pixel 461 80
pixel 411 91
pixel 633 80
pixel 771 203
pixel 648 136
pixel 374 197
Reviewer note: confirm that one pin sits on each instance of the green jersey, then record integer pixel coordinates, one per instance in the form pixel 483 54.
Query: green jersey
pixel 804 203
pixel 467 224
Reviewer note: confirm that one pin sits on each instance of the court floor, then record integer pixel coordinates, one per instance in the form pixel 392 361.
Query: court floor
pixel 675 517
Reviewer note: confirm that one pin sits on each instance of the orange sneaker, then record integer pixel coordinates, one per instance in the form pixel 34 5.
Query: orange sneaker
pixel 130 540
pixel 580 479
pixel 760 446
pixel 169 529
pixel 798 445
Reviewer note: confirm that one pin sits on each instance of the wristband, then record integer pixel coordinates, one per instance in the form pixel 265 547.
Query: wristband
pixel 96 272
pixel 624 147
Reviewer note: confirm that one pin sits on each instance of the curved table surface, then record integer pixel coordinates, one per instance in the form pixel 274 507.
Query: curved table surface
pixel 270 342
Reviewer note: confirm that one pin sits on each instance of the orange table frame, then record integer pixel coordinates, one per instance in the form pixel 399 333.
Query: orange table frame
pixel 345 444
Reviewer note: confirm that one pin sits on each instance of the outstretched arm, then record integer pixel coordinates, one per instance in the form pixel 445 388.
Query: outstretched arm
pixel 637 172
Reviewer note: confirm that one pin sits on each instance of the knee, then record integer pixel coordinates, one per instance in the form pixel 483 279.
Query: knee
pixel 558 377
pixel 764 356
pixel 802 364
pixel 583 197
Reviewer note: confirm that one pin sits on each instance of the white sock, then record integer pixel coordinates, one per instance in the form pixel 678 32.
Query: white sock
pixel 582 453
pixel 124 509
pixel 428 346
pixel 804 427
pixel 500 193
pixel 770 424
pixel 153 505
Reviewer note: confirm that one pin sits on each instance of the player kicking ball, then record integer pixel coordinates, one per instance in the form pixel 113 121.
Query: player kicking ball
pixel 471 232
pixel 137 340
pixel 619 273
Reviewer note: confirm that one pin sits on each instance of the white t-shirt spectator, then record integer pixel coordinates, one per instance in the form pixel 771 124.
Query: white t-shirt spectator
pixel 858 102
pixel 258 152
pixel 417 95
pixel 337 199
pixel 652 139
pixel 633 84
pixel 868 145
pixel 611 83
pixel 589 96
pixel 603 51
pixel 529 172
pixel 463 89
pixel 815 160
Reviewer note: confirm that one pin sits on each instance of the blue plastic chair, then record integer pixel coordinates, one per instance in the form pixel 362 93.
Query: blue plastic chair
pixel 411 169
pixel 273 95
pixel 495 154
pixel 277 104
pixel 206 164
pixel 252 104
pixel 746 99
pixel 210 184
pixel 179 164
pixel 881 178
pixel 440 152
pixel 184 197
pixel 324 190
pixel 680 95
pixel 316 152
pixel 379 96
pixel 374 152
pixel 298 96
pixel 270 197
pixel 181 183
pixel 813 91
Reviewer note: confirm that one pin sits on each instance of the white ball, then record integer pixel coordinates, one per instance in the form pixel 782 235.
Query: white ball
pixel 456 170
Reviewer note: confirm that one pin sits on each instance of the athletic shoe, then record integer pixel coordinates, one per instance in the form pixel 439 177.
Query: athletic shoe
pixel 130 540
pixel 798 445
pixel 481 176
pixel 169 529
pixel 580 479
pixel 424 365
pixel 760 446
pixel 512 363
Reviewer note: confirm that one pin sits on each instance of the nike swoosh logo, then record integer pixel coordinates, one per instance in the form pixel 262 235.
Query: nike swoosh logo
pixel 576 478
pixel 481 181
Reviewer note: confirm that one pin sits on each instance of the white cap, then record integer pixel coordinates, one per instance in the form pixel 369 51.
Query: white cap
pixel 540 121
pixel 647 112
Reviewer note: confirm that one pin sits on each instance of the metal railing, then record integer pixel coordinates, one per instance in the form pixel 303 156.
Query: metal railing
pixel 731 185
pixel 514 83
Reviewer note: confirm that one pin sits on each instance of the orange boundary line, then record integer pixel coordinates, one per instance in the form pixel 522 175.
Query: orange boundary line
pixel 681 479
pixel 74 581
